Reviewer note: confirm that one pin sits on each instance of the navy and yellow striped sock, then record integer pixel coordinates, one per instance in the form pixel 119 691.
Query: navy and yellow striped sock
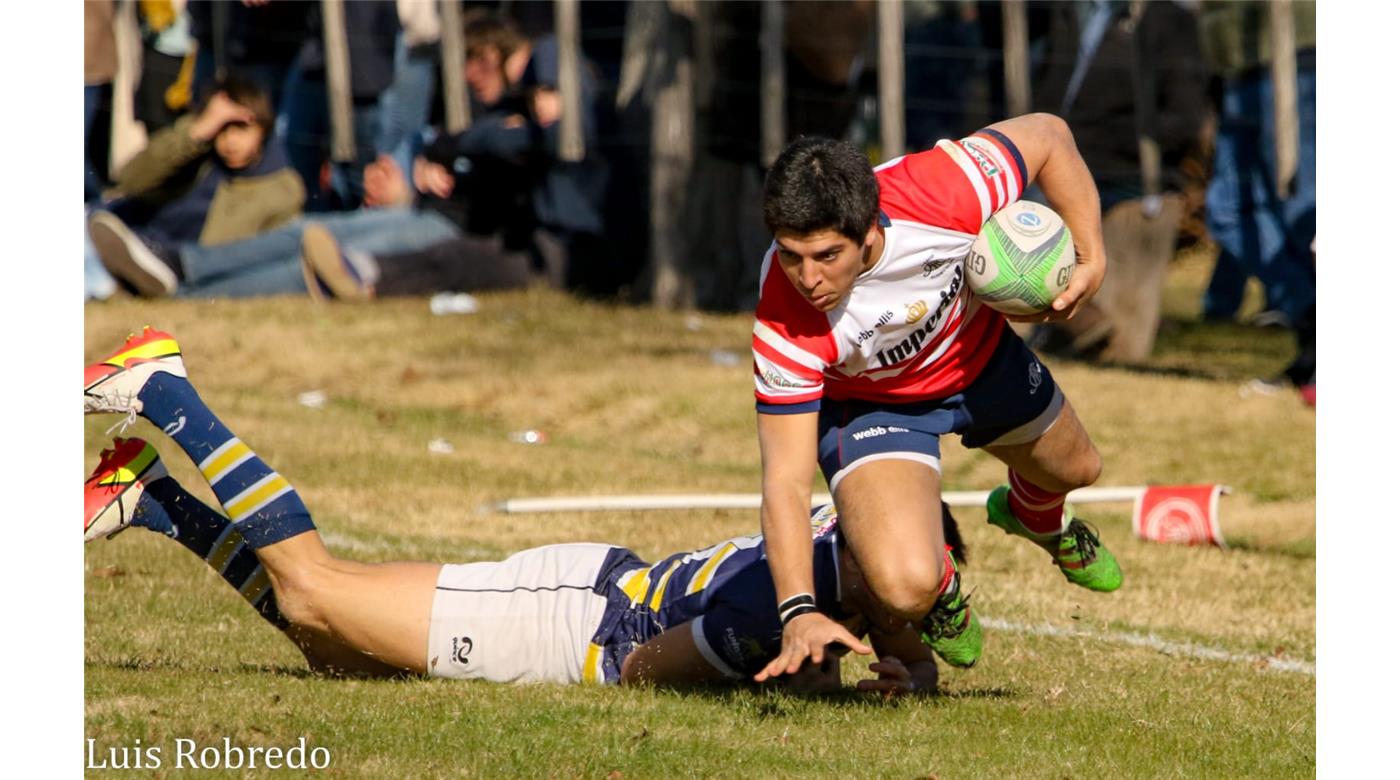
pixel 167 508
pixel 262 505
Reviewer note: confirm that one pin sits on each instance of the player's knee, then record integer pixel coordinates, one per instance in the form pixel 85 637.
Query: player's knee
pixel 911 595
pixel 1091 466
pixel 1083 470
pixel 296 600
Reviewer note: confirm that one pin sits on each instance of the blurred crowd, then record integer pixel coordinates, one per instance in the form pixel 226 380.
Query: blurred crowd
pixel 242 183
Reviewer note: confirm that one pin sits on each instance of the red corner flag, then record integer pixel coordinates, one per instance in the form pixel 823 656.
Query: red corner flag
pixel 1179 514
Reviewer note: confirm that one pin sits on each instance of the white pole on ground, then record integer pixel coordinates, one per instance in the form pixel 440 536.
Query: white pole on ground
pixel 962 498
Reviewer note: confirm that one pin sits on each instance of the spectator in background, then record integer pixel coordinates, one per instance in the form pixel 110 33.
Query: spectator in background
pixel 212 178
pixel 1128 79
pixel 256 40
pixel 275 263
pixel 167 64
pixel 942 46
pixel 1262 233
pixel 504 176
pixel 371 30
pixel 479 180
pixel 492 180
pixel 405 106
pixel 99 68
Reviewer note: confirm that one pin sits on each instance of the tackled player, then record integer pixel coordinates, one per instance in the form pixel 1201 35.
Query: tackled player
pixel 560 613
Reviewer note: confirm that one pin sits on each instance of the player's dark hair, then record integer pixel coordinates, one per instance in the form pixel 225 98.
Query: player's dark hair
pixel 821 184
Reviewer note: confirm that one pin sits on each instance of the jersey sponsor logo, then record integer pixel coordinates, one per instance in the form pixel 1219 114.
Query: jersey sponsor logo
pixel 461 649
pixel 914 312
pixel 733 646
pixel 934 264
pixel 869 333
pixel 879 430
pixel 980 156
pixel 774 379
pixel 914 341
pixel 868 433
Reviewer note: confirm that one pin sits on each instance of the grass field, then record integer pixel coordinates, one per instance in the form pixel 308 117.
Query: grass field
pixel 634 400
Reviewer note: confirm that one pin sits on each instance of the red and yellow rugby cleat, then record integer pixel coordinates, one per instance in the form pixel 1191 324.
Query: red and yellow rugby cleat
pixel 111 493
pixel 113 384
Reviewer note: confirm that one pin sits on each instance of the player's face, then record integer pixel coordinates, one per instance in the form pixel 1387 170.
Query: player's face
pixel 823 265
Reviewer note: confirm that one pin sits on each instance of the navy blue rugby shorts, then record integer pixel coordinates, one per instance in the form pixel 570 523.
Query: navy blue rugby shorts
pixel 1013 401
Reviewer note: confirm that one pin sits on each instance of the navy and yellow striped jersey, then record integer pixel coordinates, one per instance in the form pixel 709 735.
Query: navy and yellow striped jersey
pixel 725 591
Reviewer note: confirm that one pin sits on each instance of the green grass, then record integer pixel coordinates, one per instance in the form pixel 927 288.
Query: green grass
pixel 632 402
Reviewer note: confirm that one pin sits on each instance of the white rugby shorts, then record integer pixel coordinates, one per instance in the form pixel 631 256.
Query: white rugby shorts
pixel 528 618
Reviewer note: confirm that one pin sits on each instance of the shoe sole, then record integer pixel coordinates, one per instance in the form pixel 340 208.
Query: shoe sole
pixel 118 249
pixel 321 263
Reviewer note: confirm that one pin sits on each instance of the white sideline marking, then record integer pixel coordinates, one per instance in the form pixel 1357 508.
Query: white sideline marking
pixel 1153 642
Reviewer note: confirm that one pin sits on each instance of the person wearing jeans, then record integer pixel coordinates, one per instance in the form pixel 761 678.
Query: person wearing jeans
pixel 270 264
pixel 1261 232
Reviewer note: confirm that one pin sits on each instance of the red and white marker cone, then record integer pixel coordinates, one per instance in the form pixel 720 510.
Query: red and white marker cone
pixel 1179 514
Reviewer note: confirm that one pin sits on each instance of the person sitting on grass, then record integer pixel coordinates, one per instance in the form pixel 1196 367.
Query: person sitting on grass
pixel 213 178
pixel 565 613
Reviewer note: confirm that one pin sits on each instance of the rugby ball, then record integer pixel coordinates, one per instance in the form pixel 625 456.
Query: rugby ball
pixel 1022 259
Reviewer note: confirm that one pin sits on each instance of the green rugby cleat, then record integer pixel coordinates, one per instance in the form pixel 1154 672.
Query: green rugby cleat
pixel 952 629
pixel 1082 558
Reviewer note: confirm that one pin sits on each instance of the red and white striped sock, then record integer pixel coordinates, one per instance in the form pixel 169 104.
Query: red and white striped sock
pixel 948 569
pixel 1039 510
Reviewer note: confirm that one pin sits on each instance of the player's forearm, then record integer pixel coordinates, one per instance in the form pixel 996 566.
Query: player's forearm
pixel 787 534
pixel 787 444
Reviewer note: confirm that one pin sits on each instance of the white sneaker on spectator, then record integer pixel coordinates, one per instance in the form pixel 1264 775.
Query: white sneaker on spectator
pixel 128 258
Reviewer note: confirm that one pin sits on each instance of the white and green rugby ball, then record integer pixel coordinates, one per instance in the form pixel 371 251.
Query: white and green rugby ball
pixel 1022 259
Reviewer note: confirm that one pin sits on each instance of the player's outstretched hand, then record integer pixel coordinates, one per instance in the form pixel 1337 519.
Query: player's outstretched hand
pixel 1089 269
pixel 894 679
pixel 806 637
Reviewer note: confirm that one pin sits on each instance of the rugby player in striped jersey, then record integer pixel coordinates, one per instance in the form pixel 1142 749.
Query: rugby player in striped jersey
pixel 868 346
pixel 563 613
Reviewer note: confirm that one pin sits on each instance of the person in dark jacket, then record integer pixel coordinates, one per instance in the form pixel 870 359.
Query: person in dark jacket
pixel 1129 80
pixel 371 30
pixel 528 213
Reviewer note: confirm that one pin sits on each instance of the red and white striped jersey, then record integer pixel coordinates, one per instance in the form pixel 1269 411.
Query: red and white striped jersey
pixel 909 330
